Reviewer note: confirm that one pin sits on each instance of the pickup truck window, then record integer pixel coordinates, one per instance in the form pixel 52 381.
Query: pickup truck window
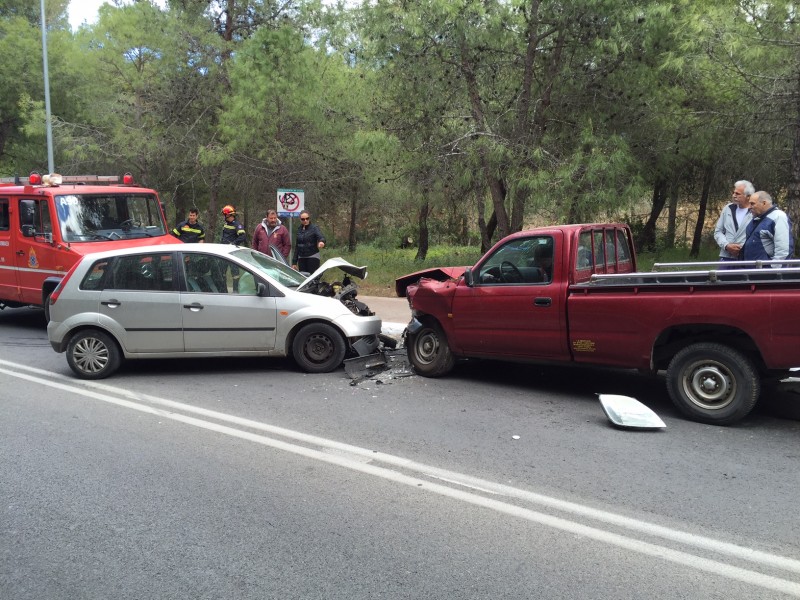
pixel 519 261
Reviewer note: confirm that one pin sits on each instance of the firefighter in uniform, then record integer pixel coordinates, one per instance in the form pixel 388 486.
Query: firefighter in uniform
pixel 233 233
pixel 190 230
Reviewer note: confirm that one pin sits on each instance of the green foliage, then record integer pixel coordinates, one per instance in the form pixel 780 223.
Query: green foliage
pixel 385 264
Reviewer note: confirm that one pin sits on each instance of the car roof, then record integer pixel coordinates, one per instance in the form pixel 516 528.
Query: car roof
pixel 218 249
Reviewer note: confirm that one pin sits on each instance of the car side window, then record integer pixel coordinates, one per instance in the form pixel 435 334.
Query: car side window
pixel 143 272
pixel 519 261
pixel 207 274
pixel 93 280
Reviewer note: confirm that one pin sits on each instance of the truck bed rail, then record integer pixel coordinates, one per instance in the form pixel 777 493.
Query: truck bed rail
pixel 723 273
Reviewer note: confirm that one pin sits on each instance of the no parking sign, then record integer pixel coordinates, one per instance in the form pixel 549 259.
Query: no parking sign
pixel 290 202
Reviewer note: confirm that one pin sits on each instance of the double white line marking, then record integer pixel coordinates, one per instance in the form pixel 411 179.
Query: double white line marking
pixel 472 490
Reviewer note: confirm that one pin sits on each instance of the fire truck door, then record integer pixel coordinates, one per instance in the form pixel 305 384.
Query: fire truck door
pixel 35 257
pixel 9 289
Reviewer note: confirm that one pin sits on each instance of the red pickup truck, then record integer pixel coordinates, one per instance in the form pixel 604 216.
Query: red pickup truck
pixel 571 294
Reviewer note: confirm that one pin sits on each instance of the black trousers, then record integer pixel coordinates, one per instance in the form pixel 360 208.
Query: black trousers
pixel 307 264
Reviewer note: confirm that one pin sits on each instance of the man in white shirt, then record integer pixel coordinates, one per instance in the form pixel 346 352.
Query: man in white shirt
pixel 731 226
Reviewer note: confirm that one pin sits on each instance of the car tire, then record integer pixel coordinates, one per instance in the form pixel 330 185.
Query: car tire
pixel 429 351
pixel 93 354
pixel 713 383
pixel 47 309
pixel 318 348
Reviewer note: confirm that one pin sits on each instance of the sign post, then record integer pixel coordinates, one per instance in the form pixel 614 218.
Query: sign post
pixel 291 203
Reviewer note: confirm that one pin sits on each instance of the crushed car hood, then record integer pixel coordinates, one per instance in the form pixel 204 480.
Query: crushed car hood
pixel 334 263
pixel 439 274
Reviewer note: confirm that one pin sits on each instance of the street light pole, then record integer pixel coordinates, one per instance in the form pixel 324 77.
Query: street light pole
pixel 50 162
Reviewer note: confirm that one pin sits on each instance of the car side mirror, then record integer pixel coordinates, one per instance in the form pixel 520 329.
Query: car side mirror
pixel 262 291
pixel 468 277
pixel 28 231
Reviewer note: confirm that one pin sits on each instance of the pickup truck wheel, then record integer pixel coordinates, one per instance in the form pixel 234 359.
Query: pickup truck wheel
pixel 429 352
pixel 712 383
pixel 93 354
pixel 318 348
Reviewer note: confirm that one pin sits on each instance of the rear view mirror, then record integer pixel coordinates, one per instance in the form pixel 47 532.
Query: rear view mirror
pixel 468 276
pixel 629 413
pixel 28 231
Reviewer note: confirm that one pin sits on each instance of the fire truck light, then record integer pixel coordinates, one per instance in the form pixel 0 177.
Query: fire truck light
pixel 34 179
pixel 127 179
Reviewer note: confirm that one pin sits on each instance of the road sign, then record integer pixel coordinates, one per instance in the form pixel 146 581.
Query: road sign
pixel 290 202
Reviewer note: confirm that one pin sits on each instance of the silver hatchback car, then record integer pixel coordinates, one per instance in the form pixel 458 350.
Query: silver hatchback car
pixel 205 300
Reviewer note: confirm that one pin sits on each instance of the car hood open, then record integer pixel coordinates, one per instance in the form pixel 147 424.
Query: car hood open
pixel 334 263
pixel 438 273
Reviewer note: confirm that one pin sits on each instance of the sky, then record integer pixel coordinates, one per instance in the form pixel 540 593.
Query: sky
pixel 86 10
pixel 83 10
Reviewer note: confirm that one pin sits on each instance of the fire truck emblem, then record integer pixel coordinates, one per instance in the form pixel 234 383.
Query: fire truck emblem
pixel 33 262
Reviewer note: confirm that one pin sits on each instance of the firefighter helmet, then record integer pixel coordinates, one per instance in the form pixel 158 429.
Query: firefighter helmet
pixel 228 210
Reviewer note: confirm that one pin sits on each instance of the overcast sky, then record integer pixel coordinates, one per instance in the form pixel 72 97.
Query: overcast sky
pixel 83 10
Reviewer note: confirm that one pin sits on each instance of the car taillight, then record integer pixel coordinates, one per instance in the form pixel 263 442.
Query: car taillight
pixel 57 291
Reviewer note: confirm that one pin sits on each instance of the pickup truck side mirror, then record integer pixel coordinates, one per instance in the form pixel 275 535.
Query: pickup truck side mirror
pixel 468 277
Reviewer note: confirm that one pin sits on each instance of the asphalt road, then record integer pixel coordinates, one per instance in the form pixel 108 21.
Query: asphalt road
pixel 250 479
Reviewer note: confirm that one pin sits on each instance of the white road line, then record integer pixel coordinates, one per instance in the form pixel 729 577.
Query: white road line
pixel 357 464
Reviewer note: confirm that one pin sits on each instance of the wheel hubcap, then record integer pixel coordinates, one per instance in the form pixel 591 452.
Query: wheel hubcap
pixel 427 347
pixel 91 355
pixel 709 385
pixel 319 348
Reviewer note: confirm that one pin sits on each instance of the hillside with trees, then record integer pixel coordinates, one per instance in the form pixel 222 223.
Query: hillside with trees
pixel 447 121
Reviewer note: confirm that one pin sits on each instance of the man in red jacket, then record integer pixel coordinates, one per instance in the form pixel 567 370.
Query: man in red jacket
pixel 271 232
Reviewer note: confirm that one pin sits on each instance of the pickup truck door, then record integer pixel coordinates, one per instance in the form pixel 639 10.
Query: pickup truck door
pixel 515 306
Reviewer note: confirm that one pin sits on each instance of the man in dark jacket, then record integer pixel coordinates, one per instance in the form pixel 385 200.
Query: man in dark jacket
pixel 769 234
pixel 190 230
pixel 307 245
pixel 232 230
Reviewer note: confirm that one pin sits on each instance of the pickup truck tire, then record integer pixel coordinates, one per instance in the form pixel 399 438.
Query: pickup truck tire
pixel 93 354
pixel 713 383
pixel 429 352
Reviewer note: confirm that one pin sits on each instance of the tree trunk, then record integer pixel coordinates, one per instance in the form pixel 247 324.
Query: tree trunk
pixel 697 239
pixel 213 196
pixel 496 186
pixel 422 248
pixel 793 188
pixel 351 237
pixel 647 237
pixel 672 214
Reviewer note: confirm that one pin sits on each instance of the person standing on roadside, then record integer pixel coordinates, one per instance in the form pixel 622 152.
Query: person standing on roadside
pixel 232 230
pixel 233 233
pixel 271 232
pixel 732 223
pixel 308 243
pixel 769 234
pixel 191 230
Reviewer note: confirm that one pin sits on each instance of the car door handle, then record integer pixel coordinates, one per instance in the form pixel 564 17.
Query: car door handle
pixel 194 306
pixel 20 252
pixel 111 303
pixel 542 301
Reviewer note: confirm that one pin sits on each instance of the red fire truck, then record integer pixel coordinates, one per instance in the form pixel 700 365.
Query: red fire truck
pixel 48 222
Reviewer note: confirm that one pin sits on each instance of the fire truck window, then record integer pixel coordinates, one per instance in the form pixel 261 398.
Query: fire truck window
pixel 4 214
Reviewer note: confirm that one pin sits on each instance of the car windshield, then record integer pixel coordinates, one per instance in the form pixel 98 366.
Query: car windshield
pixel 279 272
pixel 103 217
